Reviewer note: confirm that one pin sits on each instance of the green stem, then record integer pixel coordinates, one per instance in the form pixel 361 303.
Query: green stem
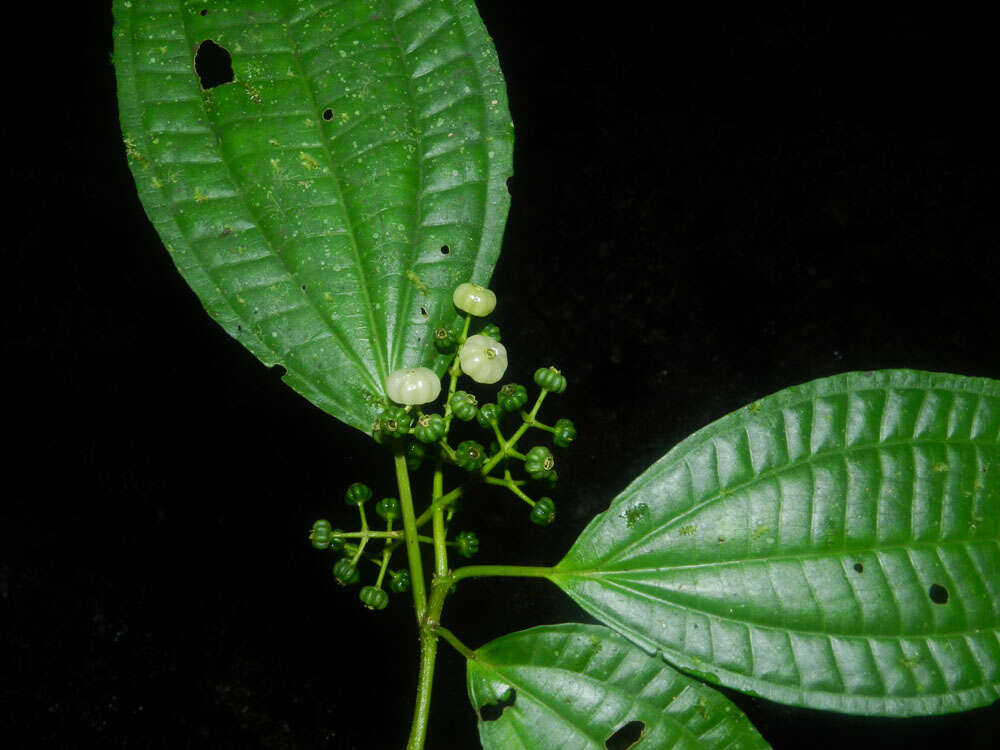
pixel 512 571
pixel 508 449
pixel 440 550
pixel 428 653
pixel 455 643
pixel 425 682
pixel 410 531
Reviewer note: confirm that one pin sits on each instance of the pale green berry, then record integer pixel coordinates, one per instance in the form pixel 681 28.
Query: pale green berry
pixel 474 299
pixel 483 359
pixel 413 385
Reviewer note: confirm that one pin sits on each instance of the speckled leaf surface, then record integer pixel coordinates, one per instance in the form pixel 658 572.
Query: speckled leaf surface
pixel 835 545
pixel 324 203
pixel 574 686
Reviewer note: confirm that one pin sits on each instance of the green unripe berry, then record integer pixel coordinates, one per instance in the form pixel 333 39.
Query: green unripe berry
pixel 414 456
pixel 550 379
pixel 395 421
pixel 399 581
pixel 345 572
pixel 320 536
pixel 444 342
pixel 488 415
pixel 544 512
pixel 358 493
pixel 388 508
pixel 373 598
pixel 470 455
pixel 490 330
pixel 468 544
pixel 337 542
pixel 565 433
pixel 539 462
pixel 512 397
pixel 430 428
pixel 463 405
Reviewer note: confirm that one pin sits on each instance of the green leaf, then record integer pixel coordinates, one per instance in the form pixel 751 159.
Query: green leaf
pixel 324 203
pixel 801 547
pixel 575 686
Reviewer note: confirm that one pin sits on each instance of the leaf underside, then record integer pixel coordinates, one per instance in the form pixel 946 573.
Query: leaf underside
pixel 835 545
pixel 575 685
pixel 325 202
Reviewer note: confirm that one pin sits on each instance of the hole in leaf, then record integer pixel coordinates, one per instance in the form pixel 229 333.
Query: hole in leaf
pixel 445 249
pixel 626 736
pixel 938 593
pixel 328 114
pixel 423 312
pixel 510 182
pixel 204 12
pixel 213 64
pixel 493 711
pixel 859 568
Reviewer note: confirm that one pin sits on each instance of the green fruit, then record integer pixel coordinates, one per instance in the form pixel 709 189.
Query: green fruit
pixel 539 462
pixel 488 415
pixel 544 512
pixel 345 572
pixel 470 455
pixel 512 397
pixel 373 598
pixel 463 405
pixel 550 379
pixel 320 534
pixel 490 330
pixel 358 493
pixel 468 544
pixel 388 509
pixel 395 421
pixel 414 456
pixel 337 542
pixel 430 428
pixel 444 342
pixel 565 433
pixel 399 581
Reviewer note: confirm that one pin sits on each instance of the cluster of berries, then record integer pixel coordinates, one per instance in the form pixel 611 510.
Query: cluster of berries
pixel 418 434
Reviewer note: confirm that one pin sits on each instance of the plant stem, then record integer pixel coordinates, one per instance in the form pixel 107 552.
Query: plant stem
pixel 455 643
pixel 428 653
pixel 425 682
pixel 486 571
pixel 440 550
pixel 410 531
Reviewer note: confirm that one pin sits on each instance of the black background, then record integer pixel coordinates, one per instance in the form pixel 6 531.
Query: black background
pixel 707 207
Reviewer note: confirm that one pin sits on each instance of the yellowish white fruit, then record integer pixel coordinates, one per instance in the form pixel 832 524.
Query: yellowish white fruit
pixel 413 385
pixel 483 359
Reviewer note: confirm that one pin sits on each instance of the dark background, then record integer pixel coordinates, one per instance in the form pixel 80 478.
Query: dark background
pixel 707 207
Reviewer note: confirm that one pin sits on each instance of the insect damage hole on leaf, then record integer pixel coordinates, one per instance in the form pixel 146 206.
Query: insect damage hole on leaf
pixel 938 593
pixel 328 114
pixel 625 736
pixel 213 64
pixel 445 249
pixel 859 568
pixel 493 711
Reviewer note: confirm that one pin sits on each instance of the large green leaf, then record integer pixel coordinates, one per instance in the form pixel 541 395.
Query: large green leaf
pixel 802 547
pixel 574 686
pixel 324 203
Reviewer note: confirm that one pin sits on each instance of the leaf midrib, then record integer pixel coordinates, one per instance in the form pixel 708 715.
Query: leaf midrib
pixel 378 339
pixel 766 474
